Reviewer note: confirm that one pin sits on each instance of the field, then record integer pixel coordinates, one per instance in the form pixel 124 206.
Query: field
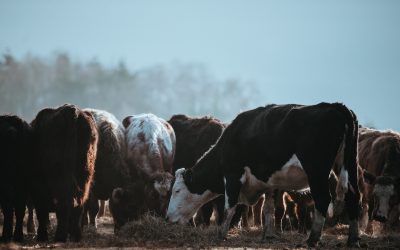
pixel 153 232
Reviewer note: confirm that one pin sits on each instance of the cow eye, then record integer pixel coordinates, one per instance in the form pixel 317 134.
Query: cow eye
pixel 177 191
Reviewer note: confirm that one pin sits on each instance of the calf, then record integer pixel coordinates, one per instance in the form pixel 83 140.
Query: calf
pixel 15 160
pixel 379 156
pixel 65 150
pixel 110 167
pixel 275 147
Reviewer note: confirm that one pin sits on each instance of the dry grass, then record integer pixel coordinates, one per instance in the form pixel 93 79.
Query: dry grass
pixel 154 232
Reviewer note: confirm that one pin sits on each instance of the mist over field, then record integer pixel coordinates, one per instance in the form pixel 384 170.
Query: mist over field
pixel 30 84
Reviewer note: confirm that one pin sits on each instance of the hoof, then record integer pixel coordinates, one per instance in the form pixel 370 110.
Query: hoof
pixel 18 238
pixel 312 242
pixel 354 243
pixel 42 237
pixel 60 238
pixel 5 239
pixel 222 236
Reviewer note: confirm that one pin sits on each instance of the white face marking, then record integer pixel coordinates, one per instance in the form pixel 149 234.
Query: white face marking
pixel 184 204
pixel 382 194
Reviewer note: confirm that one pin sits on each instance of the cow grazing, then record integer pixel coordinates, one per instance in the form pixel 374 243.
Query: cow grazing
pixel 110 167
pixel 137 197
pixel 150 152
pixel 15 159
pixel 275 147
pixel 194 136
pixel 379 156
pixel 65 147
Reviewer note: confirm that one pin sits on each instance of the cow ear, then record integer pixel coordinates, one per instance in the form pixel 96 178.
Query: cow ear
pixel 117 194
pixel 369 178
pixel 127 121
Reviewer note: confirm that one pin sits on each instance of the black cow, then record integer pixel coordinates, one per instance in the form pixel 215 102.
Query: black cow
pixel 15 159
pixel 111 170
pixel 275 147
pixel 194 136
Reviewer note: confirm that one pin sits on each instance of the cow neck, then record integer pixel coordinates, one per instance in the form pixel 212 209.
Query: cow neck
pixel 206 174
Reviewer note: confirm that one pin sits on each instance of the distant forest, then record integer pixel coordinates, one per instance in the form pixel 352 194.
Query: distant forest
pixel 32 83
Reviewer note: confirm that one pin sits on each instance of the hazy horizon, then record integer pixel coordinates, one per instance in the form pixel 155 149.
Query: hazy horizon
pixel 295 52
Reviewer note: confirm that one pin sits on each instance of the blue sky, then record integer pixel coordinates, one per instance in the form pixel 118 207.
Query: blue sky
pixel 296 51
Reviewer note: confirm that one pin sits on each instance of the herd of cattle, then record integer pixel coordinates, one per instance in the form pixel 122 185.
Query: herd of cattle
pixel 296 164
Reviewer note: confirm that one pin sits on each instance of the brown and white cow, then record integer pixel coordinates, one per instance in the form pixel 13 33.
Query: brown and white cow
pixel 379 156
pixel 65 140
pixel 150 152
pixel 275 147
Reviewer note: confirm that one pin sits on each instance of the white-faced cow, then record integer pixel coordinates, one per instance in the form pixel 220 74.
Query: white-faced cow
pixel 275 147
pixel 379 156
pixel 151 147
pixel 194 136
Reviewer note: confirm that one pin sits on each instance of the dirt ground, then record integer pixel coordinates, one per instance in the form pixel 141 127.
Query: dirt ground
pixel 153 232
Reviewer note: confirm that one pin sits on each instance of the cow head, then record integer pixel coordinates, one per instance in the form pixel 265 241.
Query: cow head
pixel 183 203
pixel 385 193
pixel 125 205
pixel 159 191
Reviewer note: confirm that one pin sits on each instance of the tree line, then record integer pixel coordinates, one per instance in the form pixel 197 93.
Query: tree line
pixel 32 83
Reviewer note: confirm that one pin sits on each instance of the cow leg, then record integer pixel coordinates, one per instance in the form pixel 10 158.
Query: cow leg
pixel 8 214
pixel 19 221
pixel 63 213
pixel 245 217
pixel 232 190
pixel 102 209
pixel 42 214
pixel 31 222
pixel 302 214
pixel 75 230
pixel 93 209
pixel 220 203
pixel 258 211
pixel 204 214
pixel 352 201
pixel 320 193
pixel 364 216
pixel 269 215
pixel 238 215
pixel 280 211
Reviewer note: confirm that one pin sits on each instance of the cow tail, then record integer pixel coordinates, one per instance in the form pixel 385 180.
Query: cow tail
pixel 87 150
pixel 348 177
